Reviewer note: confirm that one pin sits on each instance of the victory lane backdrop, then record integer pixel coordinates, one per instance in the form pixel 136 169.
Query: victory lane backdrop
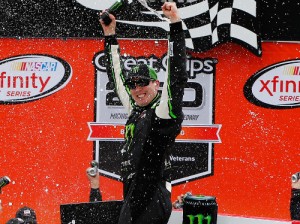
pixel 45 151
pixel 43 143
pixel 44 146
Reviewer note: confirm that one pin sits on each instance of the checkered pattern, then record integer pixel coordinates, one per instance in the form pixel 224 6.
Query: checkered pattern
pixel 207 23
pixel 214 22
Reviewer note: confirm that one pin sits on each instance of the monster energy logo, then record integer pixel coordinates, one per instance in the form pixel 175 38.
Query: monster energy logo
pixel 129 131
pixel 136 69
pixel 200 218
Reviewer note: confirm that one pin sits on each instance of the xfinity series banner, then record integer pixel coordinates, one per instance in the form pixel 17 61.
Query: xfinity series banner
pixel 50 89
pixel 193 152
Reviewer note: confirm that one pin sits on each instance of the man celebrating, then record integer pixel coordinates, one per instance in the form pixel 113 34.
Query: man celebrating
pixel 154 122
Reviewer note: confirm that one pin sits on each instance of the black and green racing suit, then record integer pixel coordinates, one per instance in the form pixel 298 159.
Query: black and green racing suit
pixel 150 133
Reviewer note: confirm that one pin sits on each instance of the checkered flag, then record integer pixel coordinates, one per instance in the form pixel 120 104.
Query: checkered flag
pixel 207 23
pixel 215 22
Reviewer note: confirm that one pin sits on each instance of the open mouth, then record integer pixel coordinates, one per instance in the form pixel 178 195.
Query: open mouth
pixel 141 95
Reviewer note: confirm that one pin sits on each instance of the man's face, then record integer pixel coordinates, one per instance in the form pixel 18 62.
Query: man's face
pixel 143 91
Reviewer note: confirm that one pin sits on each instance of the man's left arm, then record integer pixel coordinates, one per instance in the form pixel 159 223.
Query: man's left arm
pixel 173 90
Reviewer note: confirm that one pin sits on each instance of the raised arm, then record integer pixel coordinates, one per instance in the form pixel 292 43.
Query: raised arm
pixel 176 75
pixel 114 65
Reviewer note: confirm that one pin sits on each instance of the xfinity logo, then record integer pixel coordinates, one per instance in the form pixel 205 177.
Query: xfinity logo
pixel 276 86
pixel 30 77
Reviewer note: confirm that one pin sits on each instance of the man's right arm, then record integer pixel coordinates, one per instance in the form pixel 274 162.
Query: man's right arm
pixel 114 66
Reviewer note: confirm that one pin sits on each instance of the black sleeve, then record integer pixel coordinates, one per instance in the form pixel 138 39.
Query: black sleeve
pixel 177 52
pixel 177 66
pixel 95 195
pixel 295 204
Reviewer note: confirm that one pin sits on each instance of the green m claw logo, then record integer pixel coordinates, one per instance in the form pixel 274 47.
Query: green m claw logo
pixel 200 219
pixel 129 131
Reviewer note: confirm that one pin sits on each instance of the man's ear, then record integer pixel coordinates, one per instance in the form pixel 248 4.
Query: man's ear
pixel 156 84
